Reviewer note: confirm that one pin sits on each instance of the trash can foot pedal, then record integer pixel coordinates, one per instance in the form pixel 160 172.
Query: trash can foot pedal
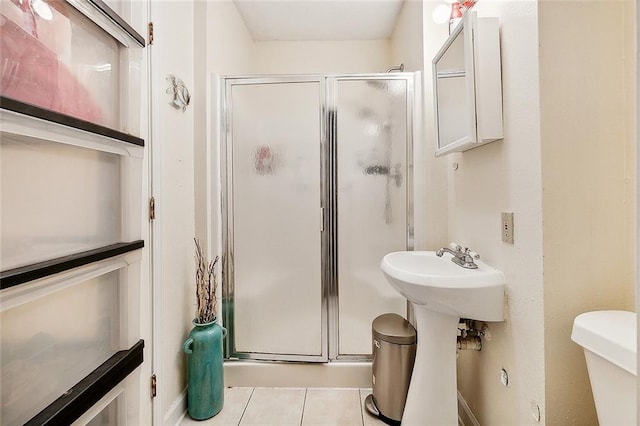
pixel 370 406
pixel 372 409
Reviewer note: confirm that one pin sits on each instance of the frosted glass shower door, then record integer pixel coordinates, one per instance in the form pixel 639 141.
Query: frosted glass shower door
pixel 372 142
pixel 275 185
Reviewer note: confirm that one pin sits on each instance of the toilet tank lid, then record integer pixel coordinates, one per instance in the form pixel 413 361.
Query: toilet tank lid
pixel 609 334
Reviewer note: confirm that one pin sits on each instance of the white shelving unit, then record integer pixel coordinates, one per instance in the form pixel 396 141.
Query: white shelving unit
pixel 468 86
pixel 72 165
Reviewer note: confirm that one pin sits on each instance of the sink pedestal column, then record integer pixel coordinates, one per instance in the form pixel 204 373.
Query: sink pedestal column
pixel 433 397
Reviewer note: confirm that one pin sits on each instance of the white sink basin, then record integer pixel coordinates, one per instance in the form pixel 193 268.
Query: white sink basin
pixel 442 286
pixel 441 293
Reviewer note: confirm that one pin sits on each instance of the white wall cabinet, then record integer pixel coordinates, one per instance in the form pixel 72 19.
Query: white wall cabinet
pixel 468 86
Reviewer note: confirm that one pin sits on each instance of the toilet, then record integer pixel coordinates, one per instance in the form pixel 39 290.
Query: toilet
pixel 609 342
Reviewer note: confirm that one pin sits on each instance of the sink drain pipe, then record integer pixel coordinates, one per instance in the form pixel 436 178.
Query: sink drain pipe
pixel 469 335
pixel 469 343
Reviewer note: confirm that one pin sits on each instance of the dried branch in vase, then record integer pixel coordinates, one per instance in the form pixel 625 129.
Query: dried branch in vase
pixel 206 285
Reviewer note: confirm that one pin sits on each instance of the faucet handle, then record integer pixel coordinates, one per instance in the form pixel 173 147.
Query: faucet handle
pixel 473 254
pixel 455 247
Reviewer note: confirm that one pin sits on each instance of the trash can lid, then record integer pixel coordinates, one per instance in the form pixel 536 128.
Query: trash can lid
pixel 393 328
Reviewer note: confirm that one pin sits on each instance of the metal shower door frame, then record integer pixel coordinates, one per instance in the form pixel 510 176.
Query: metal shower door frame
pixel 226 177
pixel 327 85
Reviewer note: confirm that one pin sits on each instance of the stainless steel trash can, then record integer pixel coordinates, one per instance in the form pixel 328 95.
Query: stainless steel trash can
pixel 394 352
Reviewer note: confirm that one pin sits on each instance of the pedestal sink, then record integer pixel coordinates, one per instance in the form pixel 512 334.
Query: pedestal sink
pixel 441 293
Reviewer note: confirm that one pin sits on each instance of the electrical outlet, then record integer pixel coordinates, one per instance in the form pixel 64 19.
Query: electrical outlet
pixel 507 227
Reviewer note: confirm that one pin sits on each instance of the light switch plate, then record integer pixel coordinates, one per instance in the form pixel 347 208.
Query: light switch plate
pixel 507 227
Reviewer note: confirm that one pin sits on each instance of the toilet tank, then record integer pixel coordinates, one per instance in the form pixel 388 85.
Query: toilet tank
pixel 609 342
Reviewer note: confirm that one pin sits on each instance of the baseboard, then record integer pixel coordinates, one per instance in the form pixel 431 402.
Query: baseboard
pixel 177 410
pixel 465 415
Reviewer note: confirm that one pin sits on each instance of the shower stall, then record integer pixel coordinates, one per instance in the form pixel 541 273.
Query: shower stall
pixel 316 184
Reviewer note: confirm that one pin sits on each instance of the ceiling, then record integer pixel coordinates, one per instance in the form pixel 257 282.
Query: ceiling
pixel 303 20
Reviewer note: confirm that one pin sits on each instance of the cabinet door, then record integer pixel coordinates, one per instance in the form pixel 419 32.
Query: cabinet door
pixel 467 86
pixel 454 97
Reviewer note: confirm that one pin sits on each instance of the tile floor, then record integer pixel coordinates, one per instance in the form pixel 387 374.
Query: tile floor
pixel 291 406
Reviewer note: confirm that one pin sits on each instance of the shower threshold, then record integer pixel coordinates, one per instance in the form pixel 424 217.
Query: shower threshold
pixel 343 374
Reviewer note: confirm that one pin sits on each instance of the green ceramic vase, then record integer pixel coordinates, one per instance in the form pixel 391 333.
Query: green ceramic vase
pixel 205 391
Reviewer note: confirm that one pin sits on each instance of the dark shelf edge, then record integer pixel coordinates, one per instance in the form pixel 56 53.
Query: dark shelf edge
pixel 88 391
pixel 15 105
pixel 117 19
pixel 24 274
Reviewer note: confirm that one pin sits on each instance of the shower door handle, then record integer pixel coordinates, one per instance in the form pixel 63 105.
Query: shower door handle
pixel 321 219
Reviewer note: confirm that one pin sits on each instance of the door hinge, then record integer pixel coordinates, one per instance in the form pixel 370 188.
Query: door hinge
pixel 152 208
pixel 150 32
pixel 154 386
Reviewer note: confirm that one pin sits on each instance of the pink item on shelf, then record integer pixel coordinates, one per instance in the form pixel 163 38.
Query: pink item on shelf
pixel 30 72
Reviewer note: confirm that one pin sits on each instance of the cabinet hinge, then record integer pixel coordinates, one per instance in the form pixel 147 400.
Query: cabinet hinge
pixel 150 32
pixel 154 386
pixel 152 208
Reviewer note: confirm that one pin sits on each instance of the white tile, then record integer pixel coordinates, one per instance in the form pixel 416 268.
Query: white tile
pixel 332 407
pixel 369 420
pixel 274 406
pixel 188 421
pixel 235 402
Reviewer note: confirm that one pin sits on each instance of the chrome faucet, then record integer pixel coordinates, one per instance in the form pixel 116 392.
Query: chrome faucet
pixel 462 256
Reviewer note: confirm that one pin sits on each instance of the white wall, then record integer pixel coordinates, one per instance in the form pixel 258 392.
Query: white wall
pixel 183 192
pixel 230 49
pixel 505 176
pixel 565 168
pixel 308 57
pixel 586 101
pixel 631 46
pixel 407 37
